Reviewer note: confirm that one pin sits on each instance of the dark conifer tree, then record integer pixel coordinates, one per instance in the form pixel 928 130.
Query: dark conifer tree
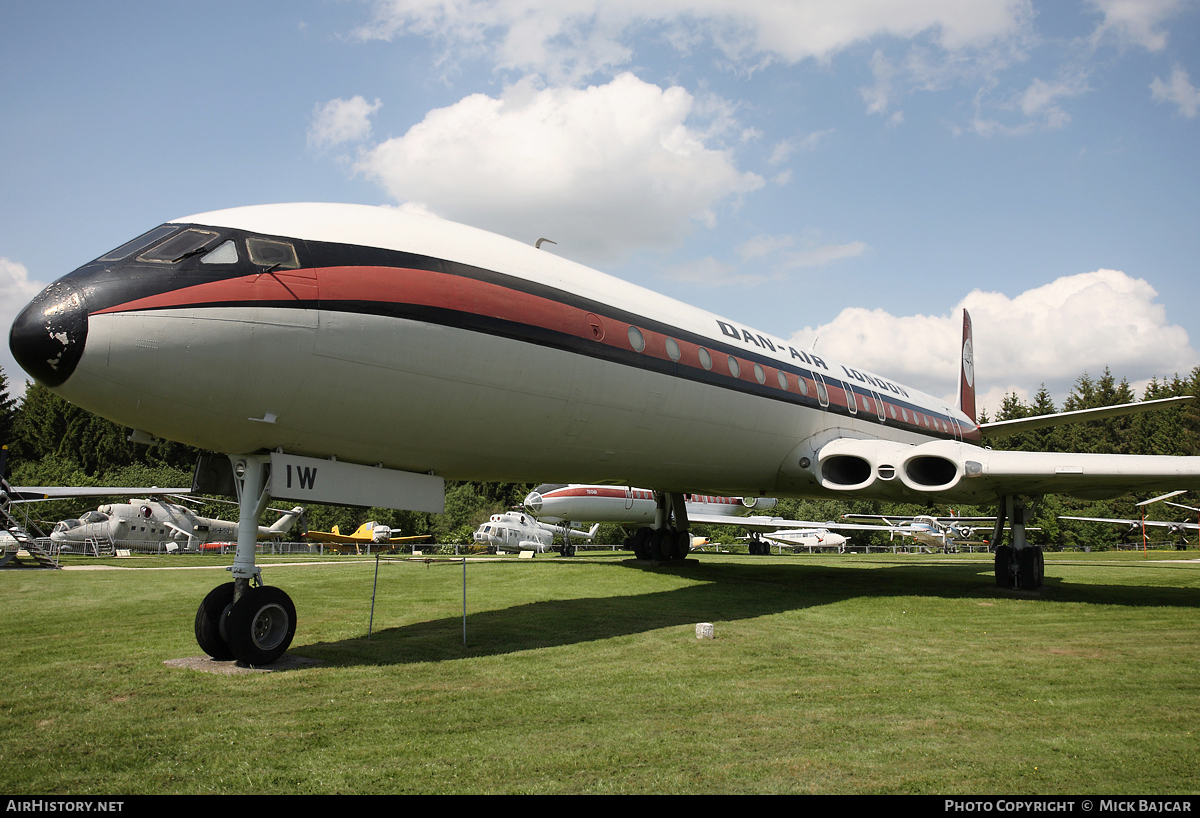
pixel 8 411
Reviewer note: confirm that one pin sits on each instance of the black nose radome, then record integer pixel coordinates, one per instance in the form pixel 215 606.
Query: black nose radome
pixel 48 336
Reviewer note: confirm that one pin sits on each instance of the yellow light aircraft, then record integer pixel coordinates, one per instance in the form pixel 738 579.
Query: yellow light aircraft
pixel 368 534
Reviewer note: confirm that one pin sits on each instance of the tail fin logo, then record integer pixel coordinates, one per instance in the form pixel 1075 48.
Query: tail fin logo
pixel 966 380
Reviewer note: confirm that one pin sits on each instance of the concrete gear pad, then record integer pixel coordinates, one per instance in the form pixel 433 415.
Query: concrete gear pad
pixel 206 664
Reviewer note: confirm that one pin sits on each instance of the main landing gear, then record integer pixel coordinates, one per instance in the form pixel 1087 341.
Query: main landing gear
pixel 1020 565
pixel 665 541
pixel 756 547
pixel 244 619
pixel 567 549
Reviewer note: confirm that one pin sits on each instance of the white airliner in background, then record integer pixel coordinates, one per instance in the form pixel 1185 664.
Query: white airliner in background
pixel 556 503
pixel 626 505
pixel 447 352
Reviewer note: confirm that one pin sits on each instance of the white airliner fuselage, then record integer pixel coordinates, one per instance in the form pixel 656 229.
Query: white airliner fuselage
pixel 448 349
pixel 627 505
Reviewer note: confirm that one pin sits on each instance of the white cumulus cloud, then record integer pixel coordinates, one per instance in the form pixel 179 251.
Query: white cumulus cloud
pixel 341 120
pixel 574 38
pixel 1179 91
pixel 601 170
pixel 16 290
pixel 1139 22
pixel 1051 334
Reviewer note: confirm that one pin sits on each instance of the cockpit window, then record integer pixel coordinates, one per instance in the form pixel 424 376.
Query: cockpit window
pixel 180 246
pixel 144 240
pixel 225 253
pixel 277 254
pixel 94 517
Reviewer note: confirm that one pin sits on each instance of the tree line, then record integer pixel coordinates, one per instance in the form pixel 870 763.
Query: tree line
pixel 52 442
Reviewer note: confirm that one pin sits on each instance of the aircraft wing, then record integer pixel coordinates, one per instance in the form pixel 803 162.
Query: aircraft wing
pixel 1135 523
pixel 1094 476
pixel 763 523
pixel 1008 427
pixel 37 494
pixel 952 472
pixel 892 519
pixel 328 536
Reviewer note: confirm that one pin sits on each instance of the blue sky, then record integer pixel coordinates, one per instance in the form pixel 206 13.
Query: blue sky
pixel 852 173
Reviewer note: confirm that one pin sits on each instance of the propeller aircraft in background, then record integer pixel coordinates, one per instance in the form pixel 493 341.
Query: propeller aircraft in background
pixel 1179 529
pixel 368 534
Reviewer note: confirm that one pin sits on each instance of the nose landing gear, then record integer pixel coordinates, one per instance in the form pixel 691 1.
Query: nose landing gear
pixel 253 624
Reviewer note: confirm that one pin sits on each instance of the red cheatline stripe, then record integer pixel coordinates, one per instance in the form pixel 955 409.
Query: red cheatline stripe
pixel 452 292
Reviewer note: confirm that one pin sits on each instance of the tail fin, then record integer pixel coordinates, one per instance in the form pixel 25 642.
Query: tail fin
pixel 287 520
pixel 966 373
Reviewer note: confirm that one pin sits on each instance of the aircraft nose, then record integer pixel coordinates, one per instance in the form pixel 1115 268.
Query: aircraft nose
pixel 48 336
pixel 533 502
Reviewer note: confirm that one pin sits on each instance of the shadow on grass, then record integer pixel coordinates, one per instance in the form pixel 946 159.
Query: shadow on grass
pixel 728 592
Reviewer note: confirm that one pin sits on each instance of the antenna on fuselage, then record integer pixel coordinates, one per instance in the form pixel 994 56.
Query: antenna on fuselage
pixel 538 244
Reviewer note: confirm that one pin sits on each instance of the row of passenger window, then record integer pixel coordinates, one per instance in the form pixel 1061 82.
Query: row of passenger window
pixel 638 342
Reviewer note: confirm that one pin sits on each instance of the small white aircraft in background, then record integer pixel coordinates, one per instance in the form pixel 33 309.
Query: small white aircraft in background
pixel 514 531
pixel 942 533
pixel 156 521
pixel 810 538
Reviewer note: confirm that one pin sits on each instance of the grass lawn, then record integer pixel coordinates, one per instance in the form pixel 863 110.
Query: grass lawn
pixel 829 674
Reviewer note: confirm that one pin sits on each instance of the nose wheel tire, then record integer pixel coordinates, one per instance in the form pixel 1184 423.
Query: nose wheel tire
pixel 208 622
pixel 261 625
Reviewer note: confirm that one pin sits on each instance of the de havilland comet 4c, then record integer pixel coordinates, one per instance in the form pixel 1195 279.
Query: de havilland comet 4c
pixel 443 351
